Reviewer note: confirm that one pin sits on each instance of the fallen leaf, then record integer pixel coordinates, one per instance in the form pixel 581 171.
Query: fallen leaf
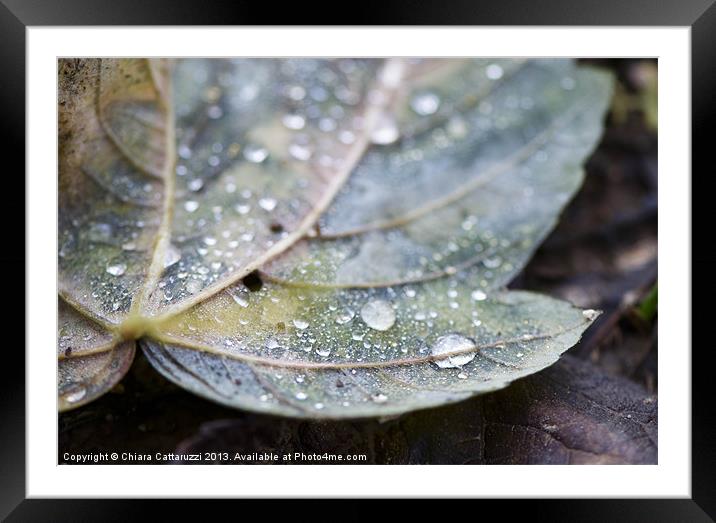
pixel 190 191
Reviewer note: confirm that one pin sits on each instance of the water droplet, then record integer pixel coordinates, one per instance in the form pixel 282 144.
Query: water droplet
pixel 392 73
pixel 347 137
pixel 267 204
pixel 345 316
pixel 451 343
pixel 294 122
pixel 255 153
pixel 240 300
pixel 272 343
pixel 242 208
pixel 184 152
pixel 385 133
pixel 590 314
pixel 191 206
pixel 378 315
pixel 300 378
pixel 323 352
pixel 318 406
pixel 171 256
pixel 425 103
pixel 195 184
pixel 116 269
pixel 76 395
pixel 300 152
pixel 296 93
pixel 492 263
pixel 301 396
pixel 300 324
pixel 478 295
pixel 494 72
pixel 462 376
pixel 379 397
pixel 457 127
pixel 129 246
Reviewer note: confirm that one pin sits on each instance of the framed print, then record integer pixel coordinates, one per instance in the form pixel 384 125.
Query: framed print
pixel 435 241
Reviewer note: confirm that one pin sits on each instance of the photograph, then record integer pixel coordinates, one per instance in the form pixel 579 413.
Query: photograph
pixel 357 260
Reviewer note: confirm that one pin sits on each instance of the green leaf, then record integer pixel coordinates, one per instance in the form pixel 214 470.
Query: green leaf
pixel 179 180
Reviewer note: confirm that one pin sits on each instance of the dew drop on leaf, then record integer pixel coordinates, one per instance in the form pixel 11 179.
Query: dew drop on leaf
pixel 267 204
pixel 345 316
pixel 240 300
pixel 255 153
pixel 453 343
pixel 379 398
pixel 116 269
pixel 75 396
pixel 478 295
pixel 295 122
pixel 300 324
pixel 590 314
pixel 171 256
pixel 385 133
pixel 378 315
pixel 425 104
pixel 195 184
pixel 243 209
pixel 300 152
pixel 494 72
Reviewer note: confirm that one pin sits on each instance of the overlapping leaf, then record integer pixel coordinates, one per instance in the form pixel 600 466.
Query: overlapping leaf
pixel 174 189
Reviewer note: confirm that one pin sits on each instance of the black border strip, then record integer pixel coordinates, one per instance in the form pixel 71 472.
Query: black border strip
pixel 367 12
pixel 700 15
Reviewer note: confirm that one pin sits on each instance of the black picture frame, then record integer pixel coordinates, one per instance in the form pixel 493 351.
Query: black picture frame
pixel 699 15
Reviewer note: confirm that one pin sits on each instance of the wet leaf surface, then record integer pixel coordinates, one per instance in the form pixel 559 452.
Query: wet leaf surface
pixel 571 412
pixel 612 219
pixel 337 365
pixel 109 200
pixel 505 172
pixel 179 180
pixel 91 360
